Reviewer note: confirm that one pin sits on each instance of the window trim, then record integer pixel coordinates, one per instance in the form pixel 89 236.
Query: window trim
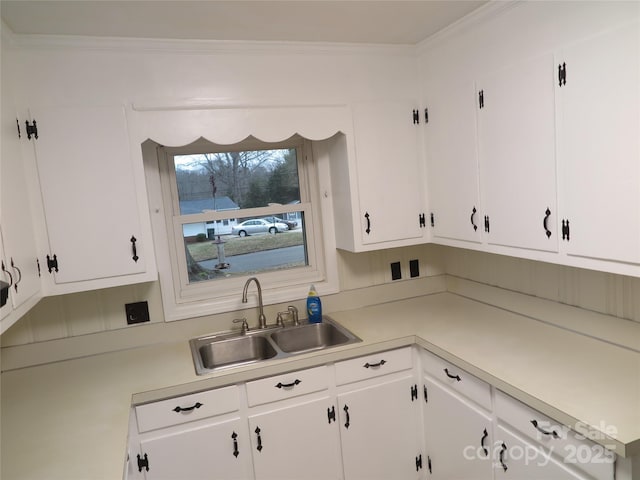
pixel 203 298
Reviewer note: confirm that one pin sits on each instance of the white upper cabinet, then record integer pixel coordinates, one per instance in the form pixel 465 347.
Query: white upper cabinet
pixel 516 143
pixel 381 184
pixel 90 195
pixel 452 161
pixel 599 133
pixel 20 260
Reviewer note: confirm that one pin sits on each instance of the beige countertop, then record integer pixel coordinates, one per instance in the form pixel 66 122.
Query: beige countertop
pixel 69 420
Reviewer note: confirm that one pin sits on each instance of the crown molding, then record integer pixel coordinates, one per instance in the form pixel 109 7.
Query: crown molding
pixel 201 47
pixel 488 11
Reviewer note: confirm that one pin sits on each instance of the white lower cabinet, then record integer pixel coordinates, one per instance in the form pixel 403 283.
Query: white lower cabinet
pixel 378 431
pixel 458 435
pixel 196 436
pixel 365 418
pixel 516 458
pixel 296 442
pixel 215 450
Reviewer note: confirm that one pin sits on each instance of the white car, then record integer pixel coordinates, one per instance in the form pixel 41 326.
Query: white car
pixel 258 225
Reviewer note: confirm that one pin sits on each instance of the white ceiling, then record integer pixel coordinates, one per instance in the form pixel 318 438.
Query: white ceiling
pixel 353 21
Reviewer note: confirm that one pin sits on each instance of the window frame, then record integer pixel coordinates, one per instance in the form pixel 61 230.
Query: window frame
pixel 183 299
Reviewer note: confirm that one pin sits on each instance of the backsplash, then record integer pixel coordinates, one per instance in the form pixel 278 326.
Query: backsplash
pixel 607 293
pixel 73 315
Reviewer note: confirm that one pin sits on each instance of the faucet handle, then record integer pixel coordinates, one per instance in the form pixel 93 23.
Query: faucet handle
pixel 280 320
pixel 294 314
pixel 245 325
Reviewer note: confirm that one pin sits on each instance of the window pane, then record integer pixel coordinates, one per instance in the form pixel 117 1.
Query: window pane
pixel 244 246
pixel 235 180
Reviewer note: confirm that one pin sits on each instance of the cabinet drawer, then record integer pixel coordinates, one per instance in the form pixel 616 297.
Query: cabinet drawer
pixel 564 442
pixel 187 408
pixel 288 385
pixel 457 379
pixel 374 365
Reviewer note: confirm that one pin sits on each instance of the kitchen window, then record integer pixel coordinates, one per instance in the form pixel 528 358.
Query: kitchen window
pixel 236 211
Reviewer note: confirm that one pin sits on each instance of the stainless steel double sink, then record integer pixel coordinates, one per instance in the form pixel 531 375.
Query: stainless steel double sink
pixel 233 349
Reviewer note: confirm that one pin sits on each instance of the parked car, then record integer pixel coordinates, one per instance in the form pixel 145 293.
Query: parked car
pixel 258 225
pixel 290 223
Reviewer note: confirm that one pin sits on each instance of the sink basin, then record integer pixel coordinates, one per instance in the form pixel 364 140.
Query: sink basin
pixel 311 336
pixel 235 351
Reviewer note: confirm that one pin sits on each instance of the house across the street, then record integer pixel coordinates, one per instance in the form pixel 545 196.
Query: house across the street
pixel 219 227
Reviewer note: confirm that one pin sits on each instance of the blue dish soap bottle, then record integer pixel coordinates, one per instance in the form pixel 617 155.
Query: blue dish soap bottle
pixel 314 306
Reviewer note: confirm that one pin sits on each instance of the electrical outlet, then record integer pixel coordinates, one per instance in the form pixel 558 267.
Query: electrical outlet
pixel 414 268
pixel 396 271
pixel 137 312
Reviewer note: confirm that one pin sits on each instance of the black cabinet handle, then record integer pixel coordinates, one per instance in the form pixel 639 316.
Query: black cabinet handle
pixel 473 214
pixel 134 250
pixel 503 449
pixel 259 447
pixel 545 223
pixel 484 437
pixel 187 409
pixel 368 229
pixel 289 385
pixel 374 365
pixel 553 433
pixel 8 273
pixel 234 436
pixel 15 285
pixel 455 377
pixel 346 412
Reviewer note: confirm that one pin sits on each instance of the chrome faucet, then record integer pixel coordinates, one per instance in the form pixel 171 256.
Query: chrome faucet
pixel 262 320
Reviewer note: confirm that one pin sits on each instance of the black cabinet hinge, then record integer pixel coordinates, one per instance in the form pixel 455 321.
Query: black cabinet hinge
pixel 562 74
pixel 414 392
pixel 418 463
pixel 31 129
pixel 143 462
pixel 331 413
pixel 432 218
pixel 565 229
pixel 481 99
pixel 426 115
pixel 416 117
pixel 486 223
pixel 52 263
pixel 422 221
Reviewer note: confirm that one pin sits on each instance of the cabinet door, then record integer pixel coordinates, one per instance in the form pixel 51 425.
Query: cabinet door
pixel 389 180
pixel 379 431
pixel 89 192
pixel 21 258
pixel 516 143
pixel 517 459
pixel 458 436
pixel 296 442
pixel 212 451
pixel 599 145
pixel 452 161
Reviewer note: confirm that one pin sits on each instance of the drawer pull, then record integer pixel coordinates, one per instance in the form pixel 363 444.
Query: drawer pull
pixel 374 365
pixel 502 450
pixel 484 437
pixel 455 377
pixel 553 433
pixel 187 409
pixel 289 385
